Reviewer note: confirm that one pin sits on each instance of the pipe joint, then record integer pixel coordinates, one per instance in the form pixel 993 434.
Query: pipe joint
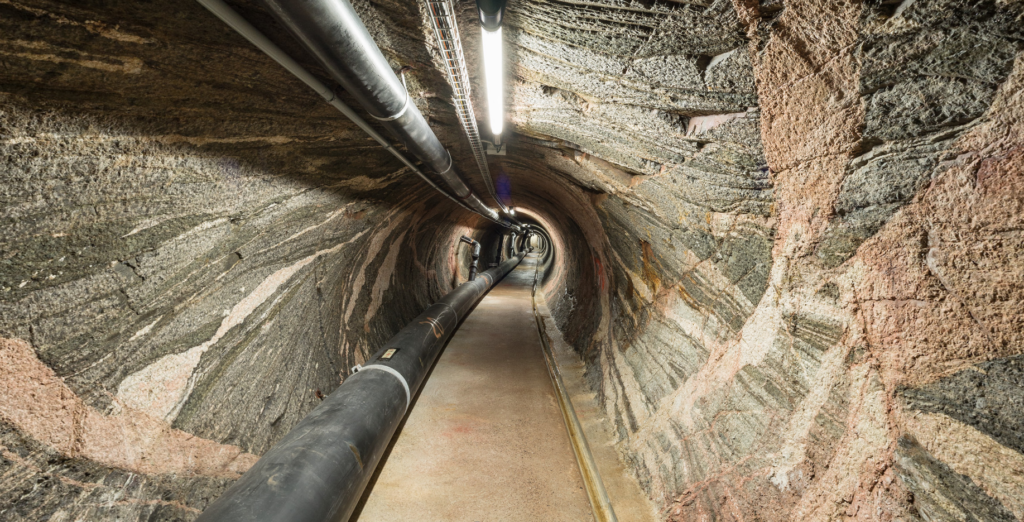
pixel 399 114
pixel 392 371
pixel 451 163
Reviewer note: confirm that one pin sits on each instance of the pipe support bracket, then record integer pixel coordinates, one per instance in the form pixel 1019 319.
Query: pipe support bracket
pixel 399 114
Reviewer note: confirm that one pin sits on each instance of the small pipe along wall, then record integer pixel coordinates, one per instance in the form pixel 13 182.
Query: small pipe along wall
pixel 475 252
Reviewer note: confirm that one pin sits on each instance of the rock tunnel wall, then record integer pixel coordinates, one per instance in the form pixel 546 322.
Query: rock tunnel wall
pixel 195 249
pixel 787 243
pixel 809 223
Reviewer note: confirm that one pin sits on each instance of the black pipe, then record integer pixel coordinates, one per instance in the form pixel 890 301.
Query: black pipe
pixel 318 471
pixel 333 32
pixel 476 255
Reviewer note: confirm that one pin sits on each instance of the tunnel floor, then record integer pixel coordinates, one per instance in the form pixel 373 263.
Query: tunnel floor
pixel 485 439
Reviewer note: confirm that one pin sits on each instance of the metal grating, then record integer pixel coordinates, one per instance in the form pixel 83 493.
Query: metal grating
pixel 442 17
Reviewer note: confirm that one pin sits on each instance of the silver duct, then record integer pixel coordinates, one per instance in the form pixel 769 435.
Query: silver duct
pixel 250 33
pixel 333 33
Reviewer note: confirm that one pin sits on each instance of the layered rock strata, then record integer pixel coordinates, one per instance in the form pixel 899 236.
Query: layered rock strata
pixel 809 235
pixel 786 240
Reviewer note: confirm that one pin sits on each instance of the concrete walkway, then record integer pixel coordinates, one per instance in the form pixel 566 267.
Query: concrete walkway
pixel 485 440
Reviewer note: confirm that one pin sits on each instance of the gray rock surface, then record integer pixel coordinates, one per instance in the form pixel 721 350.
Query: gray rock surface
pixel 787 243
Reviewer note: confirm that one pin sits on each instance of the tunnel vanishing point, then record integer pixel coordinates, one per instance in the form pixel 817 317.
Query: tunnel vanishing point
pixel 762 260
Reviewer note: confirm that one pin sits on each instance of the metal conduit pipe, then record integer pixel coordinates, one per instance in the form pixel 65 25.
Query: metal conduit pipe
pixel 250 33
pixel 476 255
pixel 318 471
pixel 449 43
pixel 333 32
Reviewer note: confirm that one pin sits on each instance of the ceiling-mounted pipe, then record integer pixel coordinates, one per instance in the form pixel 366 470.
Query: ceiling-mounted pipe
pixel 255 37
pixel 318 471
pixel 333 32
pixel 449 42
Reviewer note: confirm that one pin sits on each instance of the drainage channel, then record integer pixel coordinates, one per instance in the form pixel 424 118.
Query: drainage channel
pixel 603 511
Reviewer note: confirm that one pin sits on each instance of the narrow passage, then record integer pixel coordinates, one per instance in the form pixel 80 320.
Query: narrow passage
pixel 485 441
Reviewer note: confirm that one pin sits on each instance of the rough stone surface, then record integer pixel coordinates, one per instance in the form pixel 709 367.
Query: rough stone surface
pixel 987 397
pixel 785 304
pixel 195 247
pixel 787 241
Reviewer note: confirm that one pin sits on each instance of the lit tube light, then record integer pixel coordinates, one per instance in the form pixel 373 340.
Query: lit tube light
pixel 493 71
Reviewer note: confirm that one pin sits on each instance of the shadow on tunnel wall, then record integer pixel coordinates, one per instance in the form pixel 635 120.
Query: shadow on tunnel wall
pixel 195 249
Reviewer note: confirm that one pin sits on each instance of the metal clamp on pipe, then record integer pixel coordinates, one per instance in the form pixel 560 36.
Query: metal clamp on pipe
pixel 405 107
pixel 476 255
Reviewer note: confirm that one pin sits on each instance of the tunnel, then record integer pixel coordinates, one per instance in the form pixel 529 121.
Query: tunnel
pixel 737 260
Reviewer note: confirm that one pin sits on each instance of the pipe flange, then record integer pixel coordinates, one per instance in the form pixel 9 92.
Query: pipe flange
pixel 452 310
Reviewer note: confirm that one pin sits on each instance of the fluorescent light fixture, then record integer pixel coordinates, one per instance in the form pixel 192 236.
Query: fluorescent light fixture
pixel 493 69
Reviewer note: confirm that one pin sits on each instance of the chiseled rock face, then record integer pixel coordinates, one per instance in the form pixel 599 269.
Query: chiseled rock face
pixel 195 248
pixel 809 210
pixel 787 234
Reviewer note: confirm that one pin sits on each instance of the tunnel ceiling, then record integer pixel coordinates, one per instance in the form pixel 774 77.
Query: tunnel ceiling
pixel 786 235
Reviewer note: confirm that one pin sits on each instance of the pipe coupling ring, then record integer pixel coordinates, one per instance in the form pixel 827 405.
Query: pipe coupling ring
pixel 405 107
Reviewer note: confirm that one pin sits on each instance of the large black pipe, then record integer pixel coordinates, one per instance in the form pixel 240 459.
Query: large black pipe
pixel 319 469
pixel 333 32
